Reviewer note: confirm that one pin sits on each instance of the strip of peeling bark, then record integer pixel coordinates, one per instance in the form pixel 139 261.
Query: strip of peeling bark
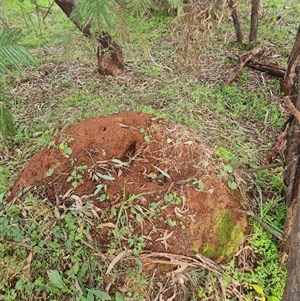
pixel 109 53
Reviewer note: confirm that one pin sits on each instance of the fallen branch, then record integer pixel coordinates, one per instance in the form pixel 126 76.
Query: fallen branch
pixel 263 167
pixel 268 68
pixel 245 58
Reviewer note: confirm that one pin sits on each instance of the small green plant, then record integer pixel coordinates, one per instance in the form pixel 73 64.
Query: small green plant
pixel 154 206
pixel 226 156
pixel 146 137
pixel 76 176
pixel 232 185
pixel 104 196
pixel 152 176
pixel 171 222
pixel 65 148
pixel 137 242
pixel 261 294
pixel 199 184
pixel 173 198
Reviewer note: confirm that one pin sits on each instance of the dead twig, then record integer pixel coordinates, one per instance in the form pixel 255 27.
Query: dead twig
pixel 263 167
pixel 263 224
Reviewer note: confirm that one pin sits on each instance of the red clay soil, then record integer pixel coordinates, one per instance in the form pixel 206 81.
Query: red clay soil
pixel 149 170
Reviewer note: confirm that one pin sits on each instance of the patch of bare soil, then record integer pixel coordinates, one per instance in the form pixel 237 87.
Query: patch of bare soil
pixel 153 185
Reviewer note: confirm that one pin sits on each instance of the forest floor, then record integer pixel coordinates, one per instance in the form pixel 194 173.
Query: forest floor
pixel 118 187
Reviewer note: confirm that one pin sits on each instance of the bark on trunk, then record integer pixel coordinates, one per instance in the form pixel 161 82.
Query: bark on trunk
pixel 294 60
pixel 109 53
pixel 255 4
pixel 236 21
pixel 291 244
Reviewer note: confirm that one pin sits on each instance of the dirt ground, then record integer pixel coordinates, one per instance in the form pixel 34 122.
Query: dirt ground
pixel 146 177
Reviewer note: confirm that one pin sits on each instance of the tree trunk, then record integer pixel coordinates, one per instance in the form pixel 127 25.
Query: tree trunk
pixel 236 21
pixel 294 60
pixel 109 53
pixel 255 5
pixel 291 243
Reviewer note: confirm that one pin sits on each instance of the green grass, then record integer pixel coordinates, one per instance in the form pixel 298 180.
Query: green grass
pixel 240 121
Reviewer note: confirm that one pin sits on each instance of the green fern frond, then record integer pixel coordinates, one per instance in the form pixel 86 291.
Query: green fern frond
pixel 176 4
pixel 11 54
pixel 6 121
pixel 140 7
pixel 95 13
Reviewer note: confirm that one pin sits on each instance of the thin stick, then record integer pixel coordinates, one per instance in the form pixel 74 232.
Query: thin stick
pixel 161 66
pixel 263 224
pixel 268 166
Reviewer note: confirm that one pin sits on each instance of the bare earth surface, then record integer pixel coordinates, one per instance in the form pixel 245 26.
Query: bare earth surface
pixel 143 177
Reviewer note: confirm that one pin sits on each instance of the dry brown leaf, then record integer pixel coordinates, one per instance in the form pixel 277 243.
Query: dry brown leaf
pixel 116 259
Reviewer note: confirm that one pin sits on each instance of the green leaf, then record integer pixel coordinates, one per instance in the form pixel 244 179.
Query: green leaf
pixel 68 151
pixel 69 179
pixel 228 168
pixel 2 194
pixel 75 184
pixel 138 218
pixel 19 285
pixel 117 161
pixel 12 54
pixel 56 279
pixel 164 173
pixel 102 198
pixel 100 294
pixel 50 172
pixel 273 298
pixel 232 185
pixel 98 188
pixel 200 184
pixel 105 177
pixel 119 297
pixel 90 296
pixel 84 268
pixel 258 289
pixel 6 121
pixel 171 222
pixel 169 197
pixel 54 245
